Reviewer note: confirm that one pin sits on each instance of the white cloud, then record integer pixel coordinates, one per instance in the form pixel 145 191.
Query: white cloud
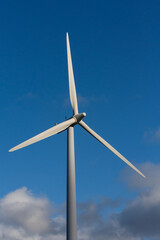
pixel 25 217
pixel 152 135
pixel 85 101
pixel 22 209
pixel 157 135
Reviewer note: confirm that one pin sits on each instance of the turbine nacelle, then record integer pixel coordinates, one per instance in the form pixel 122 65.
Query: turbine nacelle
pixel 78 117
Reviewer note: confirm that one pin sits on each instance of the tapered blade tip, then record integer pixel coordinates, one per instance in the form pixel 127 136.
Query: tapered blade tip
pixel 140 173
pixel 13 149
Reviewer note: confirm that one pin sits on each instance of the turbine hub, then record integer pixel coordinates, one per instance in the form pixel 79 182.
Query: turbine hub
pixel 79 117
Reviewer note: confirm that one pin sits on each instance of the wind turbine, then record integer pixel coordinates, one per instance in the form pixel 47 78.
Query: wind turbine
pixel 69 125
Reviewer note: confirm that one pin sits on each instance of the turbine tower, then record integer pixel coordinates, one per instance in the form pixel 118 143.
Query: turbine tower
pixel 69 125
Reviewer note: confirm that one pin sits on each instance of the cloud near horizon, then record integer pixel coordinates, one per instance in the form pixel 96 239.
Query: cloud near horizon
pixel 24 216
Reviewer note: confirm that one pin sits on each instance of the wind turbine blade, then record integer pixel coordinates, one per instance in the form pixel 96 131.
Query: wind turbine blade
pixel 48 133
pixel 72 88
pixel 106 144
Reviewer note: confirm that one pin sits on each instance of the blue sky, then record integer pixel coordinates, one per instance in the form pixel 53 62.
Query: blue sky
pixel 115 52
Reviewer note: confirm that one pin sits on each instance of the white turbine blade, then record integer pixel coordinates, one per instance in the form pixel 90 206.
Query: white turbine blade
pixel 106 144
pixel 48 133
pixel 72 88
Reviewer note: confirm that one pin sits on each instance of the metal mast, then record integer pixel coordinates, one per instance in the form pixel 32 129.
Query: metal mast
pixel 71 187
